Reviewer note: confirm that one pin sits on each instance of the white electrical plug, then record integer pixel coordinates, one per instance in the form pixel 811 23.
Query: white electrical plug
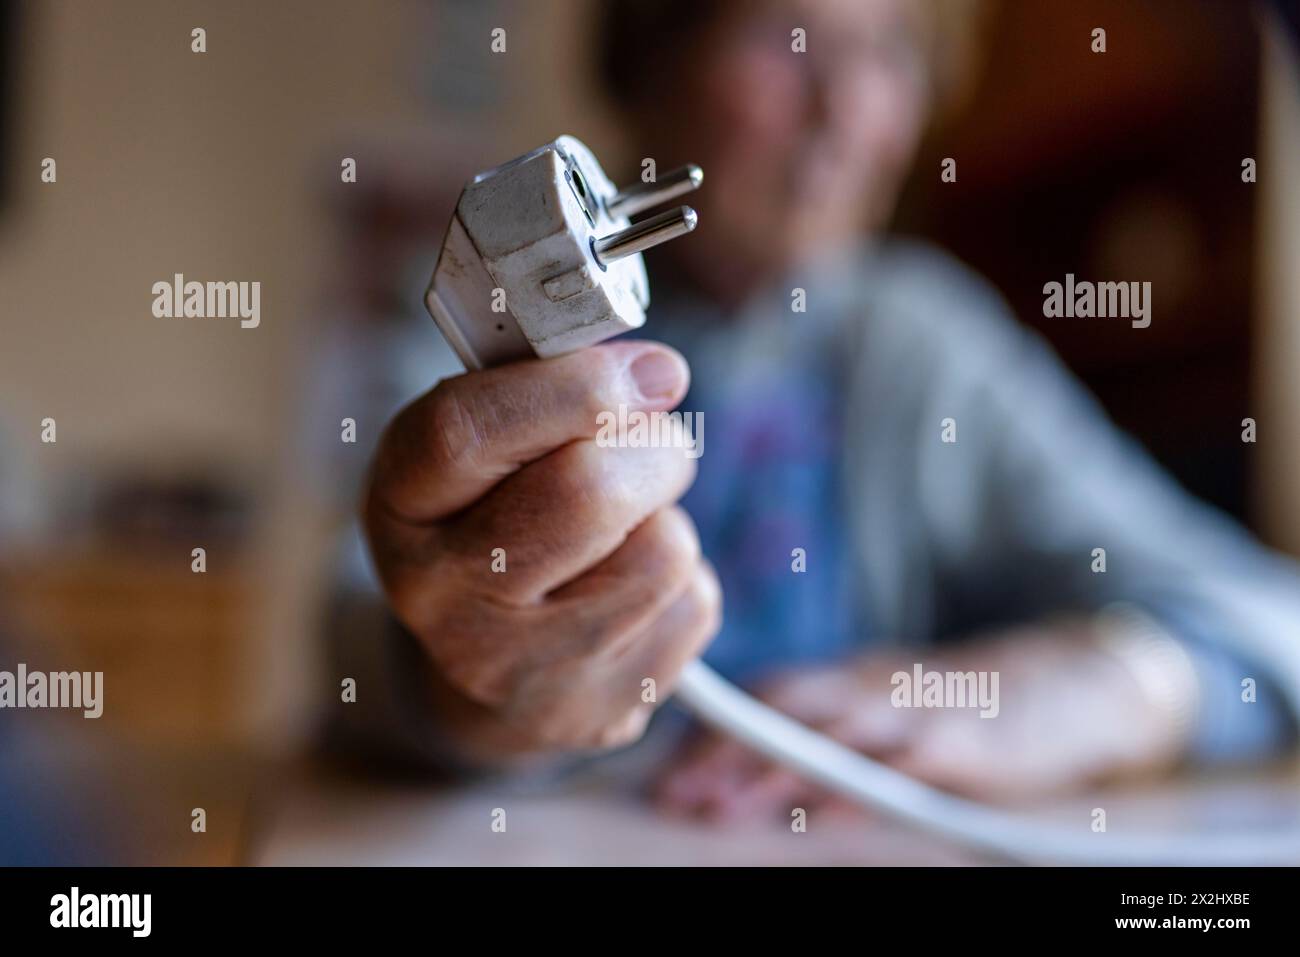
pixel 541 258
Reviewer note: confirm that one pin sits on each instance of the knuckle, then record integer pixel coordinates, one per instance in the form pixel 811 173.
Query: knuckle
pixel 705 598
pixel 623 731
pixel 586 486
pixel 660 589
pixel 667 548
pixel 410 573
pixel 464 639
pixel 419 569
pixel 667 468
pixel 408 598
pixel 618 486
pixel 454 434
pixel 685 539
pixel 597 386
pixel 484 680
pixel 561 730
pixel 485 686
pixel 646 576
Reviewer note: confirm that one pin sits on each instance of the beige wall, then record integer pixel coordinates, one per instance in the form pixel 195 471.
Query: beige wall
pixel 170 161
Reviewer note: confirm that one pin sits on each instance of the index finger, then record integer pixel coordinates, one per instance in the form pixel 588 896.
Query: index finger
pixel 447 448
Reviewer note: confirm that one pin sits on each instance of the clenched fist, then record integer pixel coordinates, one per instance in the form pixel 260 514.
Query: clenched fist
pixel 603 583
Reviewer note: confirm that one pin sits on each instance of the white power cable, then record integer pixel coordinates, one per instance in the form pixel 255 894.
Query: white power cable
pixel 726 708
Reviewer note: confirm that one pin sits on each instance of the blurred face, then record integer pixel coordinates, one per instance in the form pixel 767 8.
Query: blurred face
pixel 799 150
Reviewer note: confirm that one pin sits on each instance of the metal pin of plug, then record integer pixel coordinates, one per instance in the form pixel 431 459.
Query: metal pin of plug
pixel 643 235
pixel 635 199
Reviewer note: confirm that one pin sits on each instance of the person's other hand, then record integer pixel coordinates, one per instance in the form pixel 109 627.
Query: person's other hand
pixel 1068 714
pixel 604 584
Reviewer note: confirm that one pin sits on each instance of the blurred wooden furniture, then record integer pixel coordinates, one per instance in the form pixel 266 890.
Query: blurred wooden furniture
pixel 174 649
pixel 170 642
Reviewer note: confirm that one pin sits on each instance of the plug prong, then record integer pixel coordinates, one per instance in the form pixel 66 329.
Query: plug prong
pixel 643 235
pixel 635 199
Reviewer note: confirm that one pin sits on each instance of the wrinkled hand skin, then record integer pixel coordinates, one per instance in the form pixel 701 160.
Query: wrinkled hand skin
pixel 1069 715
pixel 604 583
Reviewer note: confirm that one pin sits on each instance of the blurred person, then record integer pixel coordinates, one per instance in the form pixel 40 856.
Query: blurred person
pixel 824 434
